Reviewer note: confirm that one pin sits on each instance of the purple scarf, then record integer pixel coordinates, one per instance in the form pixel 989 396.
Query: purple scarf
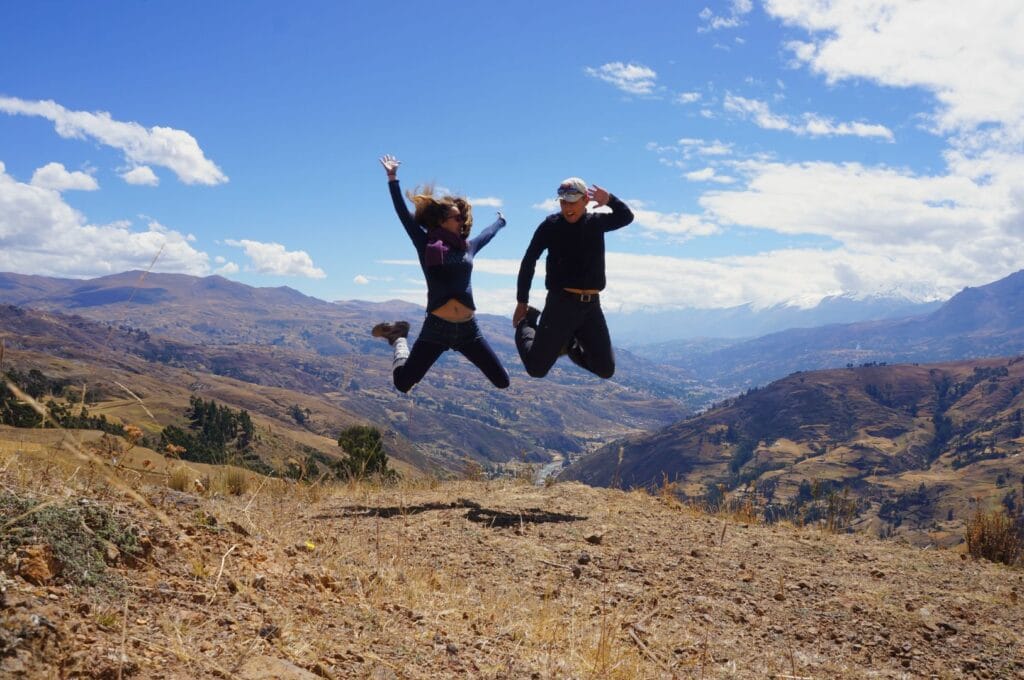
pixel 439 242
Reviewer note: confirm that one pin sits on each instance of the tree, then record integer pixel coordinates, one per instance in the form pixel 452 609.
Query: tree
pixel 365 453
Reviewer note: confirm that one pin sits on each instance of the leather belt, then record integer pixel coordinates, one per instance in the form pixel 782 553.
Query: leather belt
pixel 580 295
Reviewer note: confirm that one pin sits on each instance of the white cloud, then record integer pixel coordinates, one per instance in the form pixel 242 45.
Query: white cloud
pixel 630 78
pixel 970 55
pixel 714 22
pixel 273 258
pixel 486 201
pixel 163 146
pixel 709 174
pixel 41 234
pixel 141 175
pixel 227 269
pixel 811 124
pixel 677 225
pixel 55 176
pixel 687 97
pixel 705 148
pixel 360 280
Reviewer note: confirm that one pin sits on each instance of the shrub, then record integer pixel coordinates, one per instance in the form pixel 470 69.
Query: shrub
pixel 365 454
pixel 180 478
pixel 235 480
pixel 996 536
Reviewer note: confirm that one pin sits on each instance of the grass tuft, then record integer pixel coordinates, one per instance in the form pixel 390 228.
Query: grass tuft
pixel 995 536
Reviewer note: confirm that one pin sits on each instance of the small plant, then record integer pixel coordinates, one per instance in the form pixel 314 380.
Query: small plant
pixel 235 481
pixel 995 536
pixel 78 535
pixel 180 478
pixel 107 620
pixel 474 471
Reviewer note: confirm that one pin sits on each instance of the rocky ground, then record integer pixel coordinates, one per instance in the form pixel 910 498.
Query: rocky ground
pixel 476 580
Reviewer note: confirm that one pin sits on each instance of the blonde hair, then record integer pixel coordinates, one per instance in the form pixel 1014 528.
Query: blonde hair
pixel 431 211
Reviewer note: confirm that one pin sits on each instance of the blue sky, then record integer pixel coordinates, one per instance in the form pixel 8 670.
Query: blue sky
pixel 774 152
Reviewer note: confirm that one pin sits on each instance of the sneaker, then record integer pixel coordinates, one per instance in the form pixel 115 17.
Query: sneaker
pixel 391 331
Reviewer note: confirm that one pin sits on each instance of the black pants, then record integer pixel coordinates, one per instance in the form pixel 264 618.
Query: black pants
pixel 564 318
pixel 437 337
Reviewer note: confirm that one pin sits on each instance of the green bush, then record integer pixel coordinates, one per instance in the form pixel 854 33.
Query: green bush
pixel 365 455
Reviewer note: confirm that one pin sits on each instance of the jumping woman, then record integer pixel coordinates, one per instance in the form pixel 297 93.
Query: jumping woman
pixel 439 230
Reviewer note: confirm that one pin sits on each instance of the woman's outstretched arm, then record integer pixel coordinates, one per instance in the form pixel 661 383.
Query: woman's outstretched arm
pixel 414 230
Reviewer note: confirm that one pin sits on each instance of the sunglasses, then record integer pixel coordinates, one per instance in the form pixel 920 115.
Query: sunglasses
pixel 569 191
pixel 458 218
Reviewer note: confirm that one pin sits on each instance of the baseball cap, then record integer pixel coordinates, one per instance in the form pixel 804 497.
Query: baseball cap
pixel 572 189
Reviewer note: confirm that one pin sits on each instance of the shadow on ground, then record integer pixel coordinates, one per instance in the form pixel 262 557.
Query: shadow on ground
pixel 477 513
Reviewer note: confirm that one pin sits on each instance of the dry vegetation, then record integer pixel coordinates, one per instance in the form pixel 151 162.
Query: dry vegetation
pixel 259 578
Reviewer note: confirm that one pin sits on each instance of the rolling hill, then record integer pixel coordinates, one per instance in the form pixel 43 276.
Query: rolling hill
pixel 322 352
pixel 912 448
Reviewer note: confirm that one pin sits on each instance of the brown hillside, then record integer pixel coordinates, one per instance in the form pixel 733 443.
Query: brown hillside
pixel 452 416
pixel 916 448
pixel 469 579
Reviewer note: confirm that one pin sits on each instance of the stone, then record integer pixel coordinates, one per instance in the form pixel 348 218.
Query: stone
pixel 37 564
pixel 271 668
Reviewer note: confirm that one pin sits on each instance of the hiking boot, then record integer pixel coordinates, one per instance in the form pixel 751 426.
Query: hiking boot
pixel 391 331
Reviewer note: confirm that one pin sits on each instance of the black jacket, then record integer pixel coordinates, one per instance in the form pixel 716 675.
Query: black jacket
pixel 575 251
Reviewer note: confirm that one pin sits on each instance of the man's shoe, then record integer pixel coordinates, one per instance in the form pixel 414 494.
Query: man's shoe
pixel 391 331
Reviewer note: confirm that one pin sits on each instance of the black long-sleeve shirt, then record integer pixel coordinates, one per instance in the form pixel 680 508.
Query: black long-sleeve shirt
pixel 451 278
pixel 575 251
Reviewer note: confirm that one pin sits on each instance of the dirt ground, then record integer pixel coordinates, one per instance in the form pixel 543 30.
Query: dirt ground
pixel 483 580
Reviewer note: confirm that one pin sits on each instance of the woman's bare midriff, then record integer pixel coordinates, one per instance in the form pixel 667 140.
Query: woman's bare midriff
pixel 453 311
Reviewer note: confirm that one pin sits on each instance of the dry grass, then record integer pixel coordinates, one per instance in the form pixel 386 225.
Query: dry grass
pixel 181 478
pixel 995 536
pixel 308 572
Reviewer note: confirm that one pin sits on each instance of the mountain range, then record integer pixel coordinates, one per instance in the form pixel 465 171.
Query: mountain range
pixel 646 327
pixel 323 356
pixel 981 321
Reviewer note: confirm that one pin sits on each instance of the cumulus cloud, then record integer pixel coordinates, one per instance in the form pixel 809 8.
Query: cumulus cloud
pixel 680 226
pixel 687 97
pixel 810 124
pixel 227 269
pixel 761 280
pixel 630 78
pixel 142 175
pixel 487 201
pixel 360 280
pixel 162 146
pixel 967 54
pixel 55 176
pixel 41 234
pixel 273 258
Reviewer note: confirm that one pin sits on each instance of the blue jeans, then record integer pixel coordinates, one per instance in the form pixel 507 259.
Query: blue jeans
pixel 437 337
pixel 566 317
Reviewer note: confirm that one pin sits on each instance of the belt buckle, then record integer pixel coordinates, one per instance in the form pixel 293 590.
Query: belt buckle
pixel 586 297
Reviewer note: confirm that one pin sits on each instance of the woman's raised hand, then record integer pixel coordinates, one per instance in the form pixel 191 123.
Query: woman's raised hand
pixel 390 164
